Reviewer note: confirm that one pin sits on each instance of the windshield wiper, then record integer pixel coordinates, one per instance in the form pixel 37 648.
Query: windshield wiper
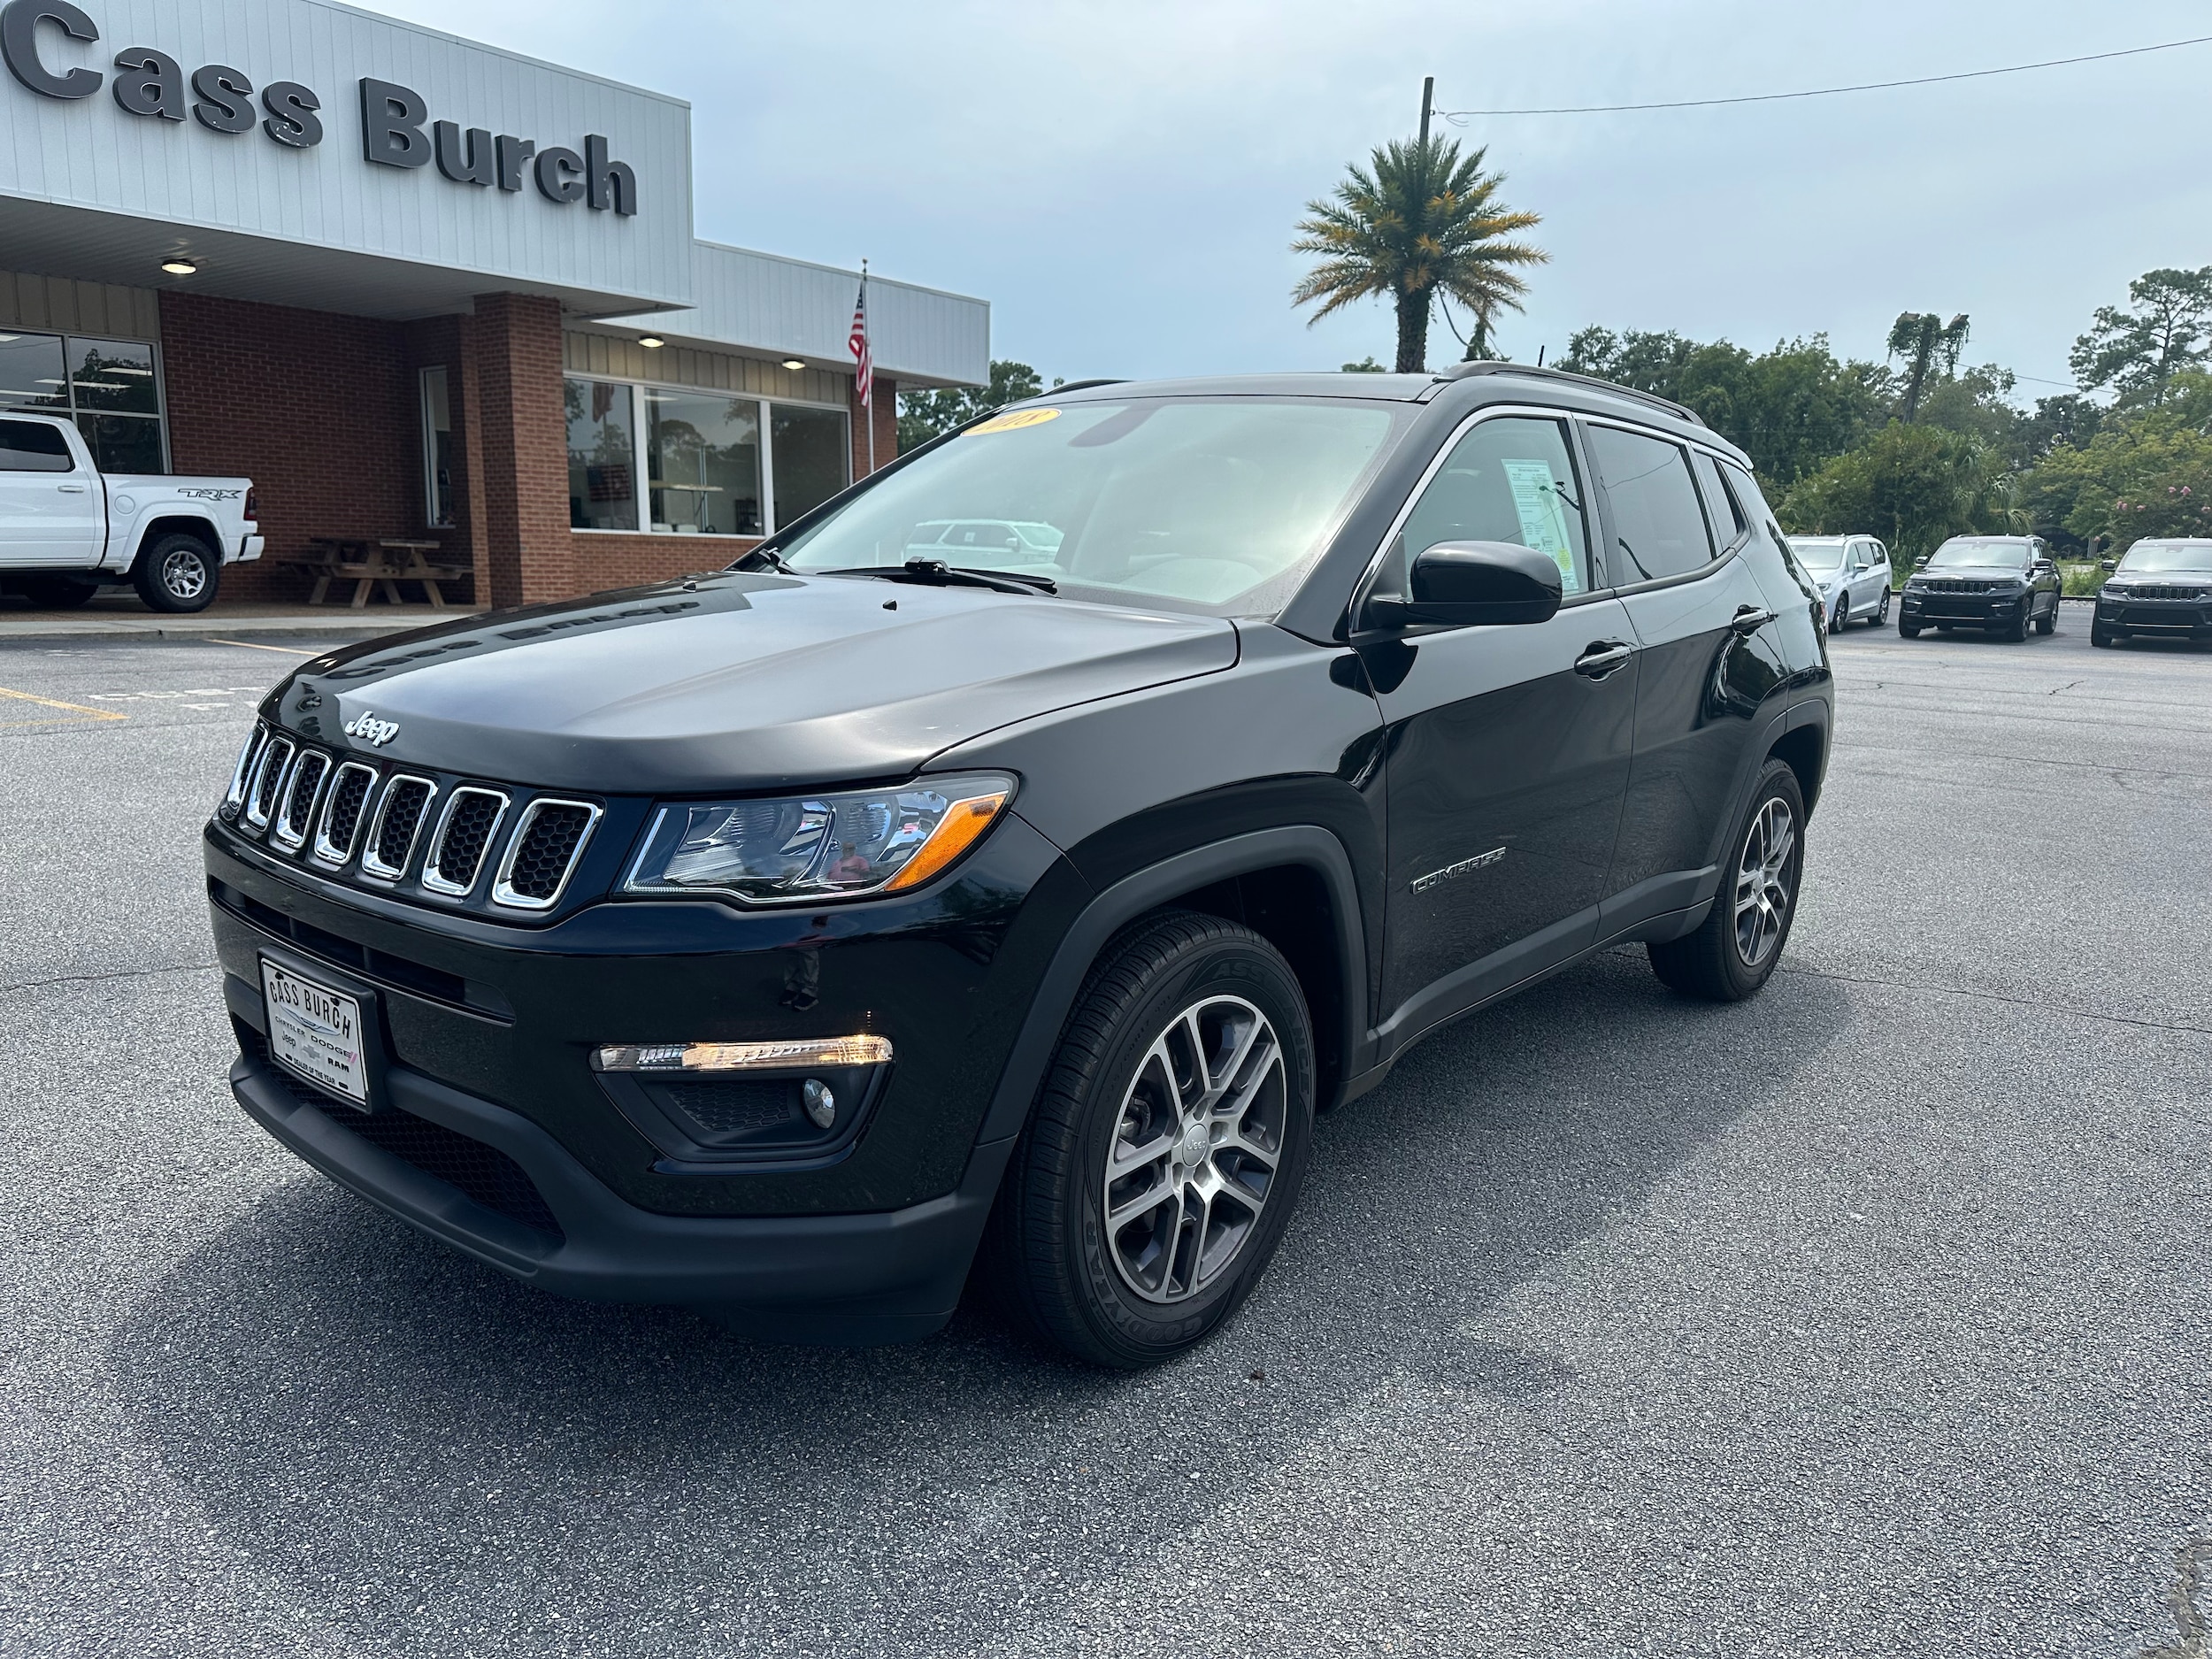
pixel 937 573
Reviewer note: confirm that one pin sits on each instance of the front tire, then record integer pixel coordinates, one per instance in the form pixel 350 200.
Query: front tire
pixel 2049 626
pixel 1881 617
pixel 1907 630
pixel 1163 1158
pixel 1841 619
pixel 178 574
pixel 2100 636
pixel 1734 949
pixel 2017 630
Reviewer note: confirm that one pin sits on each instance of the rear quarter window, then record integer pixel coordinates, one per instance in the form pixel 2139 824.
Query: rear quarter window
pixel 31 446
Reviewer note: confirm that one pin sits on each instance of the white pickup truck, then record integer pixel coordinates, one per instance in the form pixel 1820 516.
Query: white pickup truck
pixel 66 527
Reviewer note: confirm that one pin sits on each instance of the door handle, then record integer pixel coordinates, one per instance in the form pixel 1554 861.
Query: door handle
pixel 1749 619
pixel 72 489
pixel 1602 657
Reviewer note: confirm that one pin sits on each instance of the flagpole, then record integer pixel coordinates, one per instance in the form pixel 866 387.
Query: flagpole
pixel 868 409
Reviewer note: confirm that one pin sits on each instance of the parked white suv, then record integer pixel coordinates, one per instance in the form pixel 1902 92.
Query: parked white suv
pixel 66 527
pixel 1854 574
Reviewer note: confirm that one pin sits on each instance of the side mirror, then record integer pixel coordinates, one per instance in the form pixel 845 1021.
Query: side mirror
pixel 2107 566
pixel 1921 560
pixel 1468 584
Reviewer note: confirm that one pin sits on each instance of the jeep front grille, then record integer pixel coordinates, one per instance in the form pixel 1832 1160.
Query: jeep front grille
pixel 398 822
pixel 548 840
pixel 456 851
pixel 342 812
pixel 301 794
pixel 268 778
pixel 235 797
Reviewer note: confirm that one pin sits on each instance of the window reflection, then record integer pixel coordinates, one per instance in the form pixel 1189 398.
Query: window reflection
pixel 813 458
pixel 703 456
pixel 601 450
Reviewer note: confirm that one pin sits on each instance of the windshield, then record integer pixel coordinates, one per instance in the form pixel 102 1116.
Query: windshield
pixel 2144 556
pixel 1963 552
pixel 1216 505
pixel 1817 556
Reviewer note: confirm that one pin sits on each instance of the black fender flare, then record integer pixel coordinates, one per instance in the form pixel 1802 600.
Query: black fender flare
pixel 1306 845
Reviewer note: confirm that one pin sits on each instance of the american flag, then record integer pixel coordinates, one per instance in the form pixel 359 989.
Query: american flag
pixel 864 373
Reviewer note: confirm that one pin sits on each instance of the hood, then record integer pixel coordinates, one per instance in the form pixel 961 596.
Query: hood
pixel 739 682
pixel 1977 574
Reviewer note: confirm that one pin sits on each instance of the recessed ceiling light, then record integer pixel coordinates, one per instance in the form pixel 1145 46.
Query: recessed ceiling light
pixel 179 267
pixel 794 363
pixel 652 342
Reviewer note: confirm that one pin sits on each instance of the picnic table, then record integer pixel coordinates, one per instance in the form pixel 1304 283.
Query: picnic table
pixel 373 563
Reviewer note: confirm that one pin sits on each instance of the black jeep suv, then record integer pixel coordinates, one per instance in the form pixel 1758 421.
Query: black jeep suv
pixel 2160 590
pixel 779 940
pixel 2001 584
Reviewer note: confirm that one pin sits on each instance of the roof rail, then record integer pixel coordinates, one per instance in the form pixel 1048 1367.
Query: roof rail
pixel 1466 370
pixel 1080 386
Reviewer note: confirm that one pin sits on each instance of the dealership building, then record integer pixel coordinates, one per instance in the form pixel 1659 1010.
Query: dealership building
pixel 419 288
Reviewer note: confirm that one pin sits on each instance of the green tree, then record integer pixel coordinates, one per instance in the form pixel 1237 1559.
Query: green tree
pixel 1789 408
pixel 2065 422
pixel 923 415
pixel 1912 485
pixel 2148 473
pixel 2138 352
pixel 1418 220
pixel 1365 365
pixel 1928 345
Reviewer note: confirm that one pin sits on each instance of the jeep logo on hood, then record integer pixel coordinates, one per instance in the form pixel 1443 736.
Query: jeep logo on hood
pixel 370 730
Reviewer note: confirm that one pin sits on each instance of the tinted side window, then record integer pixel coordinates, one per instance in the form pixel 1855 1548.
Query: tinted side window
pixel 1720 507
pixel 1510 480
pixel 1658 527
pixel 28 447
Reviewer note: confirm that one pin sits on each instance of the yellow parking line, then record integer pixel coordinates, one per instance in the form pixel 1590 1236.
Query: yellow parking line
pixel 250 646
pixel 51 703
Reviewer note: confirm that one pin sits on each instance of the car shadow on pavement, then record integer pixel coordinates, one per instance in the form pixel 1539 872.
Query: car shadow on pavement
pixel 354 1405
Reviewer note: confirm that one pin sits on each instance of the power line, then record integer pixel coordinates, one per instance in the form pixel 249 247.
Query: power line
pixel 1459 117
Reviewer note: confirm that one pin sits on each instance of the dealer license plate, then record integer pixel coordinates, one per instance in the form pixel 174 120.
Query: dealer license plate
pixel 315 1032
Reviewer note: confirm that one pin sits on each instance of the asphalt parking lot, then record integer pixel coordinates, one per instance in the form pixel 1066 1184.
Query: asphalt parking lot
pixel 1869 1317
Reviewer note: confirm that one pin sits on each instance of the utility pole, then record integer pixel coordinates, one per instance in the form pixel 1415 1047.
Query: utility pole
pixel 1428 93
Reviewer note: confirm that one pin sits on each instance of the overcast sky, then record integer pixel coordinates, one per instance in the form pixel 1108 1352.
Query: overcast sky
pixel 1121 180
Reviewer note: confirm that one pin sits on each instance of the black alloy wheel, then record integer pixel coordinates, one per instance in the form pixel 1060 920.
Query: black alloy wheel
pixel 1881 617
pixel 1733 951
pixel 1842 618
pixel 1165 1151
pixel 2017 630
pixel 177 573
pixel 2048 624
pixel 53 592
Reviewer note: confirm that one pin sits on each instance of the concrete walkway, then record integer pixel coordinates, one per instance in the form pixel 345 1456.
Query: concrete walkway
pixel 127 617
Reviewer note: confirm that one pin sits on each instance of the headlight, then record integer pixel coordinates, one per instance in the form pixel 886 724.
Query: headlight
pixel 804 848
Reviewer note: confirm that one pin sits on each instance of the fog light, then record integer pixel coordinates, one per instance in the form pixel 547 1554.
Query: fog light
pixel 744 1056
pixel 821 1104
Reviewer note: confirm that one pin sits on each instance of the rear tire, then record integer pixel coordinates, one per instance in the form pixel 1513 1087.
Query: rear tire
pixel 178 574
pixel 54 592
pixel 1190 1037
pixel 1734 949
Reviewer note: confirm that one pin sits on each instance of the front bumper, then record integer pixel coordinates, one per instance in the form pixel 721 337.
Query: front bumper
pixel 2160 619
pixel 889 1276
pixel 1972 611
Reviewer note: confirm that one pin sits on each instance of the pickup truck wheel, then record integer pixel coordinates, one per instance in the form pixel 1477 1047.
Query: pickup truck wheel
pixel 177 573
pixel 1161 1165
pixel 57 593
pixel 1733 952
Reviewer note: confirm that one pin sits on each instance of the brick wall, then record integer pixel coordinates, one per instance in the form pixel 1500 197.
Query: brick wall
pixel 886 408
pixel 608 559
pixel 514 341
pixel 317 410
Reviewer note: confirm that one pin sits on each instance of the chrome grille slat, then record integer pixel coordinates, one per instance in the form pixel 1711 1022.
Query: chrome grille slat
pixel 464 834
pixel 302 790
pixel 249 751
pixel 268 779
pixel 397 826
pixel 345 808
pixel 549 842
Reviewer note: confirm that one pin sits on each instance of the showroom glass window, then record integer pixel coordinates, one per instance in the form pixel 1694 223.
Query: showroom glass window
pixel 437 448
pixel 711 464
pixel 602 457
pixel 703 463
pixel 111 386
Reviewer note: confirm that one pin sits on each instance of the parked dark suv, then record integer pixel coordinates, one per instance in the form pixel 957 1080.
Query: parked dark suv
pixel 2000 584
pixel 750 941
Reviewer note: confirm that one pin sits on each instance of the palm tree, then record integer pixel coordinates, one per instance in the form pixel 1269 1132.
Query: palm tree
pixel 1923 339
pixel 1420 219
